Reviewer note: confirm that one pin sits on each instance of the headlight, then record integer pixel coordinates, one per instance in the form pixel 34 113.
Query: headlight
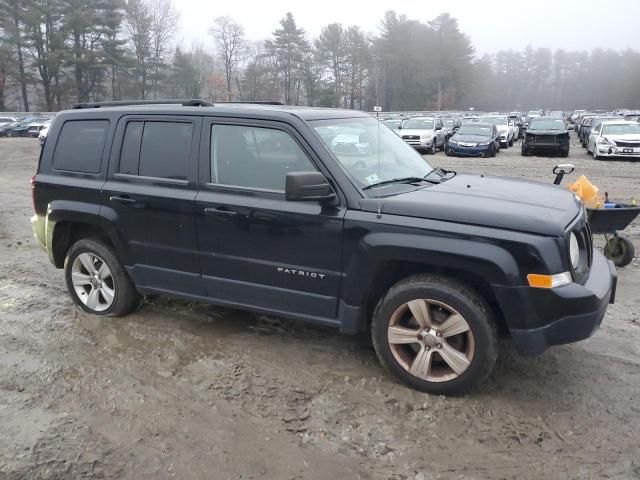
pixel 452 141
pixel 484 144
pixel 574 250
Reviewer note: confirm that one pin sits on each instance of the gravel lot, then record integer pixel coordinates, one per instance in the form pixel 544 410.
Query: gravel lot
pixel 181 390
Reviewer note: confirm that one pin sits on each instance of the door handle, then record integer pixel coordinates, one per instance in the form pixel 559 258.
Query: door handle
pixel 123 200
pixel 219 211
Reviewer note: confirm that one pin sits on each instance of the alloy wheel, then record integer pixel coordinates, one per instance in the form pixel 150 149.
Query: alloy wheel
pixel 92 281
pixel 431 340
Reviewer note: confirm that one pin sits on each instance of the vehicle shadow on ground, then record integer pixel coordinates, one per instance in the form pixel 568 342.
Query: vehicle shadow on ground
pixel 549 376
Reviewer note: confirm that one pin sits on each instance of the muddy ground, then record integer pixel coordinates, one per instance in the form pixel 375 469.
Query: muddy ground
pixel 180 390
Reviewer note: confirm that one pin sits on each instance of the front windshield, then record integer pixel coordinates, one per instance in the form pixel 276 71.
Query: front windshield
pixel 419 123
pixel 621 129
pixel 370 153
pixel 547 125
pixel 495 120
pixel 475 130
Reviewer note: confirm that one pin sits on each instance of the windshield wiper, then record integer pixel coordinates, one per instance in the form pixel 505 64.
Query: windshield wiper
pixel 396 180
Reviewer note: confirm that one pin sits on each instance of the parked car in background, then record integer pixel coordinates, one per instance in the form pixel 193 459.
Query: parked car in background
pixel 6 121
pixel 425 134
pixel 588 129
pixel 394 124
pixel 474 140
pixel 6 129
pixel 574 115
pixel 519 122
pixel 545 134
pixel 22 128
pixel 451 125
pixel 584 123
pixel 505 127
pixel 615 138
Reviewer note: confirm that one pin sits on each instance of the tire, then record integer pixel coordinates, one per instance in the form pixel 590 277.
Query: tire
pixel 511 142
pixel 525 152
pixel 434 148
pixel 564 154
pixel 90 255
pixel 620 251
pixel 595 154
pixel 472 350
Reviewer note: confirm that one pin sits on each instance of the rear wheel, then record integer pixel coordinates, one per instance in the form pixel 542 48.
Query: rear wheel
pixel 435 334
pixel 96 280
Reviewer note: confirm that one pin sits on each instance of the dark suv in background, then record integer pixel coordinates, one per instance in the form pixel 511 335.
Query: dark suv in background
pixel 262 207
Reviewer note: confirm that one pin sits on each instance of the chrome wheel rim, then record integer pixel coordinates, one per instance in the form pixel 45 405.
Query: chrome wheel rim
pixel 431 340
pixel 92 281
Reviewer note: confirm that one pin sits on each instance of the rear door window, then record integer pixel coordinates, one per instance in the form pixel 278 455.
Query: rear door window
pixel 156 149
pixel 80 146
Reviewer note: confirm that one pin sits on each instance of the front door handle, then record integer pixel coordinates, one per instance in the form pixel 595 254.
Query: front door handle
pixel 219 212
pixel 123 200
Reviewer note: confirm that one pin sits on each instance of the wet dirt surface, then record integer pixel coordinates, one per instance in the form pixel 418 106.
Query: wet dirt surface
pixel 182 390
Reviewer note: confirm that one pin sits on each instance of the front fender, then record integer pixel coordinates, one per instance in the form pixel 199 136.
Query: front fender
pixel 488 261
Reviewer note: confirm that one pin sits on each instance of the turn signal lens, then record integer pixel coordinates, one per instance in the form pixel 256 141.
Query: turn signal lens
pixel 549 281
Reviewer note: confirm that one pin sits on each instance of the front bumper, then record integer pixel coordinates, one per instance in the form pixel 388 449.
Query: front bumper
pixel 610 151
pixel 539 318
pixel 461 150
pixel 420 143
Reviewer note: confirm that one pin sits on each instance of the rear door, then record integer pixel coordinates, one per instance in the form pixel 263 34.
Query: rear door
pixel 257 248
pixel 149 197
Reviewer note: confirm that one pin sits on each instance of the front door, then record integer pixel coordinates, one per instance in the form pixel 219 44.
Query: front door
pixel 149 197
pixel 258 249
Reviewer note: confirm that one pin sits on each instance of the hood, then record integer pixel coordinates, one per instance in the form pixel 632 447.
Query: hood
pixel 470 138
pixel 629 137
pixel 416 131
pixel 498 202
pixel 502 128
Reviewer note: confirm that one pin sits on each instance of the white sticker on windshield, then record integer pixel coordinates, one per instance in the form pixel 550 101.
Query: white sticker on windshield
pixel 371 179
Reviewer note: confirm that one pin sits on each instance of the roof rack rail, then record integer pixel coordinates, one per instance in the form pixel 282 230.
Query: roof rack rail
pixel 194 102
pixel 248 102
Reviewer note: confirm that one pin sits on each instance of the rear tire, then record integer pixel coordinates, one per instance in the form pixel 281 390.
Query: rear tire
pixel 443 337
pixel 97 281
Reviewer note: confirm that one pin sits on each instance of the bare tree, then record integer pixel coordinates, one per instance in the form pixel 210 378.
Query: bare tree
pixel 228 36
pixel 138 26
pixel 164 20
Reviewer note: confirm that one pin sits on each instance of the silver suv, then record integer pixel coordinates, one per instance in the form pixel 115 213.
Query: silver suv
pixel 425 134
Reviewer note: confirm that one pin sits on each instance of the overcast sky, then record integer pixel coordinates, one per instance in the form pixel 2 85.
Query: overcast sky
pixel 492 25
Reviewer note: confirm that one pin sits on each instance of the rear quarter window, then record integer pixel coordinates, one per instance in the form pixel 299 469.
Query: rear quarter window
pixel 80 146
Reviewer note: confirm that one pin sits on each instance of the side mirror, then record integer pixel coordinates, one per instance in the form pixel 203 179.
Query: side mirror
pixel 308 186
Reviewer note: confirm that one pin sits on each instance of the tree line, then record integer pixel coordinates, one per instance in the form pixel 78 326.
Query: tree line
pixel 54 53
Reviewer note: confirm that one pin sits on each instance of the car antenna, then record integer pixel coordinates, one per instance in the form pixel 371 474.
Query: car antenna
pixel 378 109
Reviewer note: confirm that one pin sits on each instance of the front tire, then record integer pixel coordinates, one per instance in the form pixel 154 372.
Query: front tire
pixel 435 334
pixel 97 281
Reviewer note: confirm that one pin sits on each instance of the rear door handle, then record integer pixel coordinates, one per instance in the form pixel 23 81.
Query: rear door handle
pixel 219 212
pixel 123 200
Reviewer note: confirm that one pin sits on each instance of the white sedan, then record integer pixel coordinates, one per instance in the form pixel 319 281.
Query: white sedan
pixel 615 138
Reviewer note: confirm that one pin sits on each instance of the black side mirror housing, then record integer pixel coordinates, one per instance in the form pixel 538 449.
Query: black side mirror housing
pixel 308 186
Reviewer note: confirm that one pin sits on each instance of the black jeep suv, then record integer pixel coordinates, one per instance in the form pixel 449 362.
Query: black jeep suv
pixel 262 207
pixel 546 134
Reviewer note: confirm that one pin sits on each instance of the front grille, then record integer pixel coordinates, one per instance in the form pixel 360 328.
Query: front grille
pixel 410 137
pixel 628 144
pixel 545 139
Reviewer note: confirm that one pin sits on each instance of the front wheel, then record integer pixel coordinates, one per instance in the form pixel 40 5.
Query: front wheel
pixel 96 280
pixel 435 334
